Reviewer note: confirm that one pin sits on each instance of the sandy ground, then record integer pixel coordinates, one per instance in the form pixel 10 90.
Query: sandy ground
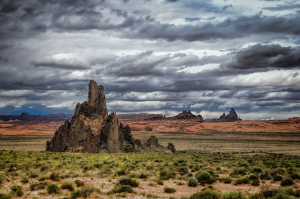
pixel 186 126
pixel 32 128
pixel 290 125
pixel 241 137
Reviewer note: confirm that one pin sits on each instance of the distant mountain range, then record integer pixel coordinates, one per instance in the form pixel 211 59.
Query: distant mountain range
pixel 27 117
pixel 184 115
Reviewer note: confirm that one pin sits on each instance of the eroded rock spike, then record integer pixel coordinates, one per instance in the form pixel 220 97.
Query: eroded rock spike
pixel 93 130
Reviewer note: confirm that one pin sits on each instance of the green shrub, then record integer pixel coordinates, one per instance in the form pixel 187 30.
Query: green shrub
pixel 257 170
pixel 44 168
pixel 54 176
pixel 234 195
pixel 121 189
pixel 207 194
pixel 75 194
pixel 192 182
pixel 67 185
pixel 134 182
pixel 226 180
pixel 242 181
pixel 282 196
pixel 33 175
pixel 121 172
pixel 205 178
pixel 24 180
pixel 1 179
pixel 129 181
pixel 165 175
pixel 5 196
pixel 257 196
pixel 169 190
pixel 287 182
pixel 277 178
pixel 267 190
pixel 16 190
pixel 86 191
pixel 79 183
pixel 253 177
pixel 160 182
pixel 40 185
pixel 143 176
pixel 286 190
pixel 265 176
pixel 297 193
pixel 53 189
pixel 295 176
pixel 183 170
pixel 255 182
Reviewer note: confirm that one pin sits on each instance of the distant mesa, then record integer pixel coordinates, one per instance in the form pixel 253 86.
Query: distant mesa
pixel 25 117
pixel 187 115
pixel 232 116
pixel 92 129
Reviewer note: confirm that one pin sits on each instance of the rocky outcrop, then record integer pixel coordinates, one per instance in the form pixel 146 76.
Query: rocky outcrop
pixel 232 116
pixel 93 130
pixel 188 115
pixel 152 145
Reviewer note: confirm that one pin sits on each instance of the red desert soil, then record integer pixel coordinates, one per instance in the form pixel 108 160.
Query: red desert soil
pixel 31 128
pixel 34 128
pixel 290 125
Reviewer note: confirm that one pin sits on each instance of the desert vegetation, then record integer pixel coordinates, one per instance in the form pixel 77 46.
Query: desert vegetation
pixel 36 174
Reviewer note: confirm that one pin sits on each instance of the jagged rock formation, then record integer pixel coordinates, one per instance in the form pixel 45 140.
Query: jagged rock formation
pixel 232 116
pixel 93 130
pixel 187 115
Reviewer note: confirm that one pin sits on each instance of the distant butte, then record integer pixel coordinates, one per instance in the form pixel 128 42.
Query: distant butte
pixel 232 116
pixel 92 129
pixel 187 115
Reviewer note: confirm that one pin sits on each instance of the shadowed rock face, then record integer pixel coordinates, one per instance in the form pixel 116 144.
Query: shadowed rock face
pixel 232 116
pixel 93 130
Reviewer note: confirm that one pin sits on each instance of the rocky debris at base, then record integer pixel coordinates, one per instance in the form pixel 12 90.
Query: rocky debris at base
pixel 93 130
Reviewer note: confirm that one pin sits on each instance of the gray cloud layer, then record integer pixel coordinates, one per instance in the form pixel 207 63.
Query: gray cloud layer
pixel 207 56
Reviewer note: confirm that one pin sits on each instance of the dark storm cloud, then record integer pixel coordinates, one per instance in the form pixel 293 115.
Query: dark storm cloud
pixel 147 64
pixel 191 19
pixel 171 1
pixel 9 7
pixel 64 64
pixel 228 29
pixel 226 7
pixel 264 56
pixel 295 74
pixel 148 57
pixel 80 16
pixel 257 58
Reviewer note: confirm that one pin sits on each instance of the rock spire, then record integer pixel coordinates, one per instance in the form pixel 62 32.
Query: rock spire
pixel 92 129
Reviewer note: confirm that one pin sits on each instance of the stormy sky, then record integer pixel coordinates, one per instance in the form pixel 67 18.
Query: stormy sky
pixel 152 56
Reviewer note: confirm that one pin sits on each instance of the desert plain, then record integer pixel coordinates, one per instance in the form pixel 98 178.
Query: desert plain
pixel 248 158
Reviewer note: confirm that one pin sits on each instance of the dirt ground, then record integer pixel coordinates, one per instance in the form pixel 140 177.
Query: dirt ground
pixel 241 137
pixel 279 136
